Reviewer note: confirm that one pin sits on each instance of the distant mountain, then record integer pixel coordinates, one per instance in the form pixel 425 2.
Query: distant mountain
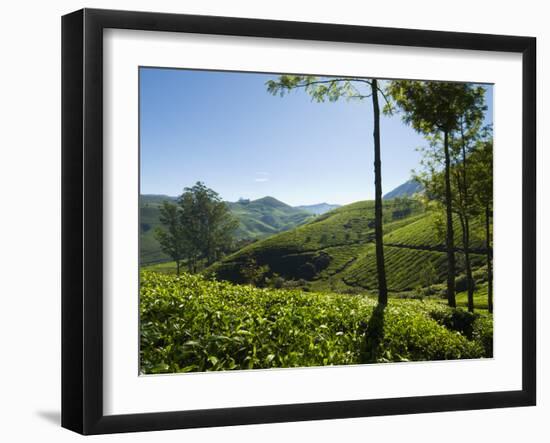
pixel 154 199
pixel 258 218
pixel 407 189
pixel 266 216
pixel 149 249
pixel 317 209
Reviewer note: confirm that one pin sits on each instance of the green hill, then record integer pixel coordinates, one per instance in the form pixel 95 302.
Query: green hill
pixel 318 209
pixel 266 216
pixel 258 218
pixel 336 251
pixel 149 249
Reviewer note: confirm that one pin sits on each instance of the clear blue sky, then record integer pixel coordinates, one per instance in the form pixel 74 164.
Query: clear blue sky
pixel 226 130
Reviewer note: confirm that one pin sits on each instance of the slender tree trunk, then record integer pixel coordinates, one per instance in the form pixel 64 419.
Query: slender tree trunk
pixel 177 267
pixel 467 264
pixel 378 231
pixel 469 268
pixel 466 227
pixel 450 231
pixel 489 259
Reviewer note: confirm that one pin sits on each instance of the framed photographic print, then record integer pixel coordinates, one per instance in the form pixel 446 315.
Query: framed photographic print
pixel 269 221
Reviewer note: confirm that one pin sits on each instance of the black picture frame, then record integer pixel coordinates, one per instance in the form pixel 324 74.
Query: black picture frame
pixel 82 239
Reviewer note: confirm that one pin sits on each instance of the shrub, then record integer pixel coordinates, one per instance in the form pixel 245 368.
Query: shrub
pixel 482 333
pixel 411 335
pixel 480 275
pixel 275 281
pixel 253 273
pixel 296 284
pixel 189 323
pixel 456 320
pixel 461 283
pixel 321 261
pixel 307 270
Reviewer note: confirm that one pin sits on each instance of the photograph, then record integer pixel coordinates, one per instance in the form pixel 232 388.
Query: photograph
pixel 291 220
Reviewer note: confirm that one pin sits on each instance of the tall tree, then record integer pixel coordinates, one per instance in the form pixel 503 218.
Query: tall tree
pixel 463 146
pixel 481 162
pixel 207 223
pixel 352 88
pixel 198 229
pixel 172 239
pixel 435 108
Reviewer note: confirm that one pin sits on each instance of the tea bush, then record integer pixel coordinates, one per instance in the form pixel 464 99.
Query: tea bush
pixel 189 323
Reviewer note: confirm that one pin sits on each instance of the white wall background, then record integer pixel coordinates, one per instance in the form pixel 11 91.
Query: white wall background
pixel 30 219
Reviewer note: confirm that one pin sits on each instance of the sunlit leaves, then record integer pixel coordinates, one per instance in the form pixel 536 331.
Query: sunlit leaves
pixel 431 106
pixel 322 89
pixel 190 324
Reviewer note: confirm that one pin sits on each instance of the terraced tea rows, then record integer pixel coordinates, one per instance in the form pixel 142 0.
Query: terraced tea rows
pixel 336 251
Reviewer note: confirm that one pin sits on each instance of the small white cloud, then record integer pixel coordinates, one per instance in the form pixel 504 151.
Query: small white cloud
pixel 262 176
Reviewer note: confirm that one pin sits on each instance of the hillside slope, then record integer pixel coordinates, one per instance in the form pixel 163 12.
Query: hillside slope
pixel 149 248
pixel 407 189
pixel 266 216
pixel 258 218
pixel 317 209
pixel 336 251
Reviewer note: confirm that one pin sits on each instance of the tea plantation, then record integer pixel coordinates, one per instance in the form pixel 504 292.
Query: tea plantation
pixel 336 251
pixel 190 323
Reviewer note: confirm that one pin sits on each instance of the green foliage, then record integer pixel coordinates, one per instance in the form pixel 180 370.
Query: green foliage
pixel 410 334
pixel 456 320
pixel 198 228
pixel 340 246
pixel 207 223
pixel 425 231
pixel 257 219
pixel 474 326
pixel 430 106
pixel 483 333
pixel 322 88
pixel 266 216
pixel 461 283
pixel 480 297
pixel 253 273
pixel 481 167
pixel 172 238
pixel 149 218
pixel 192 324
pixel 428 274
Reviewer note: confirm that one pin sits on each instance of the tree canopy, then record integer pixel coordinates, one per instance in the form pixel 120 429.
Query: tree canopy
pixel 430 106
pixel 198 228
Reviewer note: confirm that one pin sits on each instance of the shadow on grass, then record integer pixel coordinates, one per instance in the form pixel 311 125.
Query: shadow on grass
pixel 374 336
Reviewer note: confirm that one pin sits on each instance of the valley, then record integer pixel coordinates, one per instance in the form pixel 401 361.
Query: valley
pixel 335 252
pixel 257 219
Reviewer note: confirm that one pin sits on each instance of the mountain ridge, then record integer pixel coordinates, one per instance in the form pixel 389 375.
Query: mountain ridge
pixel 407 189
pixel 257 219
pixel 318 208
